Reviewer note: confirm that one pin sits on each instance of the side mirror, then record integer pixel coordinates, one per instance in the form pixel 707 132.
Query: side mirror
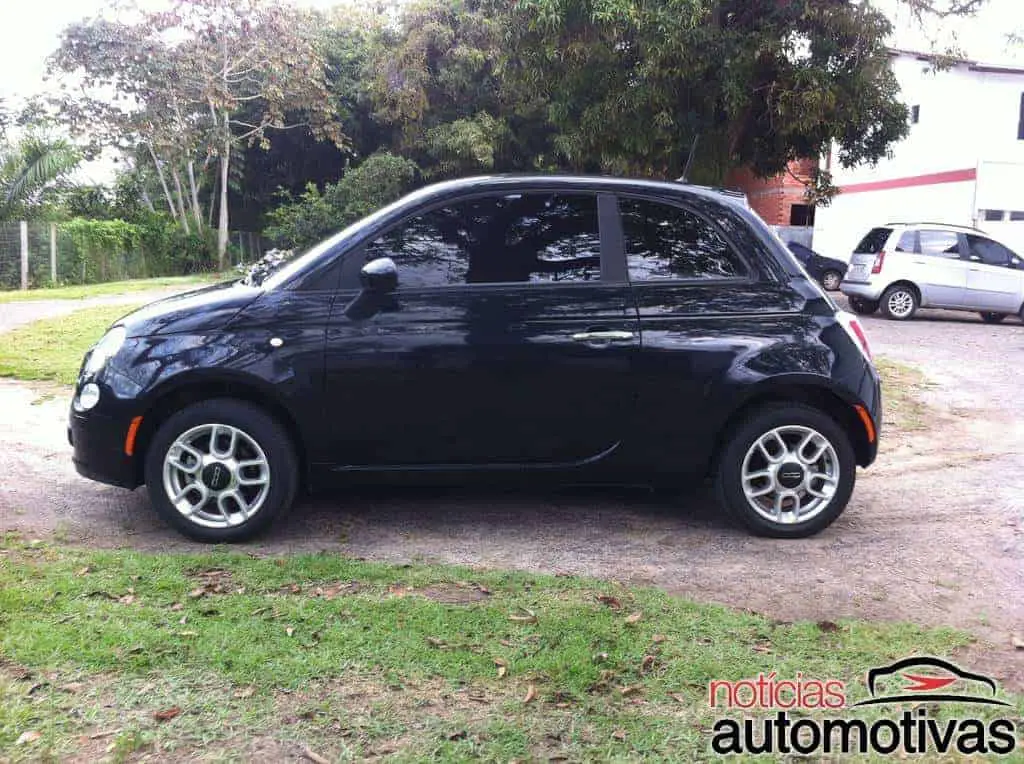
pixel 1015 262
pixel 379 276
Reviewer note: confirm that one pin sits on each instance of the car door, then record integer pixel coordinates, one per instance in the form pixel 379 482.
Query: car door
pixel 993 282
pixel 938 269
pixel 505 343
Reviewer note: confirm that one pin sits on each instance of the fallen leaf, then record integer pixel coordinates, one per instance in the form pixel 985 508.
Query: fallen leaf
pixel 634 617
pixel 762 647
pixel 245 692
pixel 629 690
pixel 435 642
pixel 83 571
pixel 483 589
pixel 1018 643
pixel 658 638
pixel 502 670
pixel 289 630
pixel 524 616
pixel 502 665
pixel 177 606
pixel 197 592
pixel 678 696
pixel 29 736
pixel 531 694
pixel 610 601
pixel 167 714
pixel 127 599
pixel 72 687
pixel 619 734
pixel 314 757
pixel 828 626
pixel 183 619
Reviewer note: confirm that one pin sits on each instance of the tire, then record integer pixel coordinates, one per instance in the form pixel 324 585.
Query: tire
pixel 830 280
pixel 741 454
pixel 863 307
pixel 899 302
pixel 992 318
pixel 251 435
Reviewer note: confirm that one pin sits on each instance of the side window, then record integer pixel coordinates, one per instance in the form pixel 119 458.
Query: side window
pixel 515 238
pixel 667 242
pixel 939 243
pixel 906 242
pixel 990 252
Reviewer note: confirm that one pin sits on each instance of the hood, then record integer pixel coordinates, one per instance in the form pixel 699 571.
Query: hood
pixel 201 309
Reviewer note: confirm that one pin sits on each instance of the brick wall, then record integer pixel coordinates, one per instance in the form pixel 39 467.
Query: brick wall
pixel 772 198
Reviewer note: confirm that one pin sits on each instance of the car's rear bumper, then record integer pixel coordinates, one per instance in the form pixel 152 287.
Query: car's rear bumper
pixel 98 443
pixel 861 289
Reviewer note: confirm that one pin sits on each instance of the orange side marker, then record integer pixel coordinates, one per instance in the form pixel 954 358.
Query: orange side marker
pixel 865 417
pixel 129 440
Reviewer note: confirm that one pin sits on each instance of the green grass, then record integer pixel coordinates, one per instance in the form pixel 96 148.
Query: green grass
pixel 261 657
pixel 52 349
pixel 83 291
pixel 902 385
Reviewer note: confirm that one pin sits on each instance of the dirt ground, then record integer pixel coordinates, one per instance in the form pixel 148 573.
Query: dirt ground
pixel 934 533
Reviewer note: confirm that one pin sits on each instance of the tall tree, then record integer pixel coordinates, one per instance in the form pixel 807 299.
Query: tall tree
pixel 29 169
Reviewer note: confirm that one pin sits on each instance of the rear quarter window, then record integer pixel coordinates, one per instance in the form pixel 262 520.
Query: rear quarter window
pixel 873 242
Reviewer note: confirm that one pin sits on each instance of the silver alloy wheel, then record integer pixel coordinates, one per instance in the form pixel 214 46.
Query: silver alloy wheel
pixel 216 475
pixel 900 303
pixel 790 474
pixel 830 281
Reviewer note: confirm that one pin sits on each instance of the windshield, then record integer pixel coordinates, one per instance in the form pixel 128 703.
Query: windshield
pixel 281 272
pixel 874 241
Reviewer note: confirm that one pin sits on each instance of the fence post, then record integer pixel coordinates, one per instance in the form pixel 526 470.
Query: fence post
pixel 24 254
pixel 53 253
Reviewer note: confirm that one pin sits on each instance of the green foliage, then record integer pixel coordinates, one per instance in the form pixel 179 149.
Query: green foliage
pixel 378 180
pixel 29 169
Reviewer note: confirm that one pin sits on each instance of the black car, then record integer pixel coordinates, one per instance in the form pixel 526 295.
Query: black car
pixel 592 329
pixel 828 271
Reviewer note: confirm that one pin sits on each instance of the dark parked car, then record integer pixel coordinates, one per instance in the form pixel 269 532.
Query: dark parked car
pixel 828 271
pixel 594 329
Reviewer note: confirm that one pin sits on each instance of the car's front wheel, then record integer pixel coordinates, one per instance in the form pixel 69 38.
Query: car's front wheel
pixel 863 307
pixel 786 471
pixel 831 280
pixel 221 470
pixel 992 318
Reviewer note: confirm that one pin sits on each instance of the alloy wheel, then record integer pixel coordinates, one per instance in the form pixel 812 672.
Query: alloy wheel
pixel 900 303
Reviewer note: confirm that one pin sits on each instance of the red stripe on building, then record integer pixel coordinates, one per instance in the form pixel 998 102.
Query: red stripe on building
pixel 952 176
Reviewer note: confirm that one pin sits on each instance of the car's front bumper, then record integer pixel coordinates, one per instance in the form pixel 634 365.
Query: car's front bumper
pixel 99 449
pixel 860 289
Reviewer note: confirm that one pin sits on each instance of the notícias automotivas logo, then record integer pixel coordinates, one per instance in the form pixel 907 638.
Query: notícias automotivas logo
pixel 929 679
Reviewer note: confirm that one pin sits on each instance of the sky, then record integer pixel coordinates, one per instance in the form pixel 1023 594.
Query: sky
pixel 30 31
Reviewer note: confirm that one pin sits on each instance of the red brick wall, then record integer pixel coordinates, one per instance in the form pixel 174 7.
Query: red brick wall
pixel 772 198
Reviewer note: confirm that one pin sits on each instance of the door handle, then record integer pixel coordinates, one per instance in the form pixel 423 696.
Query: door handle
pixel 609 336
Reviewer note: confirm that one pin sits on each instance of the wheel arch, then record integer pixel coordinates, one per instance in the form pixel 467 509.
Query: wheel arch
pixel 905 283
pixel 175 394
pixel 809 392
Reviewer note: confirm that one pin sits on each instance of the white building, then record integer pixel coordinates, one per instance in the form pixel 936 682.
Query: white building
pixel 962 163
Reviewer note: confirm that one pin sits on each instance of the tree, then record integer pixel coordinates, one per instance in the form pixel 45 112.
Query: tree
pixel 199 80
pixel 30 169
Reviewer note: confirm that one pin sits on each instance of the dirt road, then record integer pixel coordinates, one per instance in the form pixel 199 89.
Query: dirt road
pixel 934 534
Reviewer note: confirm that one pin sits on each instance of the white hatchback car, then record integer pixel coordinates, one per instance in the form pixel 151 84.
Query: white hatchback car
pixel 901 267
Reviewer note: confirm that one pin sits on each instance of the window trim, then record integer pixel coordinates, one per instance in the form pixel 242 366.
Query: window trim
pixel 751 276
pixel 602 280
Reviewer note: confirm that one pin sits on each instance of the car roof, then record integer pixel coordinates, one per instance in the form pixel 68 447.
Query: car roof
pixel 916 224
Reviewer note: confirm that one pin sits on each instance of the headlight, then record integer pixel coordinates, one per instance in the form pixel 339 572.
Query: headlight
pixel 105 349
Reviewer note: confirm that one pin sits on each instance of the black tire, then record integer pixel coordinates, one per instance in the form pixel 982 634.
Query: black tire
pixel 863 307
pixel 992 318
pixel 729 469
pixel 830 280
pixel 895 298
pixel 261 429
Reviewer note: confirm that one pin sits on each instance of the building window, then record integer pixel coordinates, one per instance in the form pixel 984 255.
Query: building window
pixel 993 214
pixel 915 114
pixel 801 215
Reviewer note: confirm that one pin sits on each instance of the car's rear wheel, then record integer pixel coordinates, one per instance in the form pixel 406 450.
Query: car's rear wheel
pixel 862 306
pixel 992 318
pixel 831 280
pixel 899 302
pixel 786 471
pixel 221 470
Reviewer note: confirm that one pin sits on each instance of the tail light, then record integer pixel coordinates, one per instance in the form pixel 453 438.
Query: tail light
pixel 853 328
pixel 879 262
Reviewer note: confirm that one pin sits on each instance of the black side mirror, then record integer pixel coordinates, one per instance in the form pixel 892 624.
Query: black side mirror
pixel 379 276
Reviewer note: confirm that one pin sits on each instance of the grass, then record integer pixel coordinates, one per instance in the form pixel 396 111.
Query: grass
pixel 902 386
pixel 238 657
pixel 83 291
pixel 52 349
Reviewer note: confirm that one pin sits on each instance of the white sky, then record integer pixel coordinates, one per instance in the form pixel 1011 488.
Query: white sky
pixel 30 31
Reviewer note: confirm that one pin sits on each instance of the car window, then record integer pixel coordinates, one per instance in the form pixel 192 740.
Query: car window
pixel 907 242
pixel 514 238
pixel 667 242
pixel 939 243
pixel 990 252
pixel 873 242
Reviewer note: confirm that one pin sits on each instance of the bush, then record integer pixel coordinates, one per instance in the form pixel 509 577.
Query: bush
pixel 378 180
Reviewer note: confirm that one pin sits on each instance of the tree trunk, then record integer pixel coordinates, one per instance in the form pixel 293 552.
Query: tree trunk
pixel 176 176
pixel 163 182
pixel 222 229
pixel 196 209
pixel 147 201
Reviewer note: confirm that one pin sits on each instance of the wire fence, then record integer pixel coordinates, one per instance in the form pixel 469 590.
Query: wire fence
pixel 37 254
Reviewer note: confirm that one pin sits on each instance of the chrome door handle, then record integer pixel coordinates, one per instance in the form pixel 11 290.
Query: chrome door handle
pixel 602 336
